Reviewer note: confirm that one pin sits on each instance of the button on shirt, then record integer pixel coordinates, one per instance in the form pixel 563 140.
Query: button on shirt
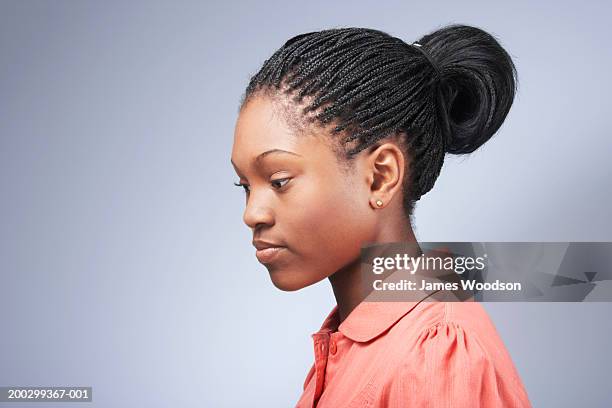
pixel 411 354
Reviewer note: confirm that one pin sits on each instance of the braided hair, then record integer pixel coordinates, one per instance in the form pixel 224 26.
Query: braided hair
pixel 449 96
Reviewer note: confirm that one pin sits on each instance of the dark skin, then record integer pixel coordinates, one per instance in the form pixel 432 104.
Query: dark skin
pixel 305 201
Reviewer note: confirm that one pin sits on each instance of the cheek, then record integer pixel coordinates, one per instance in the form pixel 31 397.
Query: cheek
pixel 331 222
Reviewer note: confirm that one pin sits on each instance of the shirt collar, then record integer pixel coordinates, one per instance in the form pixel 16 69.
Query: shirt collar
pixel 368 320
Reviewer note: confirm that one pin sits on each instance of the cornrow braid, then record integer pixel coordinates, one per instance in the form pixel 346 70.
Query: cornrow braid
pixel 449 96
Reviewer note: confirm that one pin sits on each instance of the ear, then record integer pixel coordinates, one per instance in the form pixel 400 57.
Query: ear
pixel 385 169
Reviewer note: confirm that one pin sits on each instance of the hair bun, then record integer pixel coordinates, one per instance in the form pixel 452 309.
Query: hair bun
pixel 477 84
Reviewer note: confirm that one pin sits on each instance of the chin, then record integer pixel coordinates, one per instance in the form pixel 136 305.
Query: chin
pixel 288 281
pixel 287 285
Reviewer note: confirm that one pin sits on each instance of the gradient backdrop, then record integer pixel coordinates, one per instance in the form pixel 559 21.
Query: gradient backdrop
pixel 124 261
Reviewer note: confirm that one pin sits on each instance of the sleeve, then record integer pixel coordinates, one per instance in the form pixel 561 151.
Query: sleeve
pixel 449 367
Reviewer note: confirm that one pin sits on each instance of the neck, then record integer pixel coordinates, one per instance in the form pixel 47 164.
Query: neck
pixel 346 282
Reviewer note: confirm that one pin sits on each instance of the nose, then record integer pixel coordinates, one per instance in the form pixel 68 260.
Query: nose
pixel 257 212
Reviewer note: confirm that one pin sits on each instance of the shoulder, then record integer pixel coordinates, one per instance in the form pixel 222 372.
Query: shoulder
pixel 457 355
pixel 434 323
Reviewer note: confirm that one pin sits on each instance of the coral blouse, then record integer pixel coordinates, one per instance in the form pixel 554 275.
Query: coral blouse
pixel 412 354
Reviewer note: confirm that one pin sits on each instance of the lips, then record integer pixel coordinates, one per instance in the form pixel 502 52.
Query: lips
pixel 267 251
pixel 268 255
pixel 261 244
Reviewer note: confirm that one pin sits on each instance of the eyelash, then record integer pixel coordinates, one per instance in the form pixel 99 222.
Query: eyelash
pixel 245 186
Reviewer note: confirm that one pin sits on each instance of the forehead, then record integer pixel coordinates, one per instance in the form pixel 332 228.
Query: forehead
pixel 264 124
pixel 259 127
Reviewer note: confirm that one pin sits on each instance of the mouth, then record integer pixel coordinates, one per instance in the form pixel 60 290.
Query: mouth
pixel 268 255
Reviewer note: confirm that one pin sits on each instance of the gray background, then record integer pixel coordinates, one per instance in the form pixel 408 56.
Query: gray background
pixel 124 261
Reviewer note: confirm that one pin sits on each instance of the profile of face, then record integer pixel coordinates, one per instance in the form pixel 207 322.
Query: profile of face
pixel 299 197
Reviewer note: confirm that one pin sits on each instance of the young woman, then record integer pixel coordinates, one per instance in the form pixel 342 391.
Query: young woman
pixel 339 133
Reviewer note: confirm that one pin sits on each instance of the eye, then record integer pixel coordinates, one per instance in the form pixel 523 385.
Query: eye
pixel 279 183
pixel 245 186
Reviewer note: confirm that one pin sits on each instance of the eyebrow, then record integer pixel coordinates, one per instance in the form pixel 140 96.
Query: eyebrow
pixel 261 156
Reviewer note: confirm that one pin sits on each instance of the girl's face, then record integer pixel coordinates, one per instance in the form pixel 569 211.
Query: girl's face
pixel 299 198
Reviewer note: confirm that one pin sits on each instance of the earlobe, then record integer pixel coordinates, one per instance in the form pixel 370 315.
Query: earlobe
pixel 377 204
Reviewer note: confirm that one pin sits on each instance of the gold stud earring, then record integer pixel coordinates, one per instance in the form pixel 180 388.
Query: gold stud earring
pixel 379 203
